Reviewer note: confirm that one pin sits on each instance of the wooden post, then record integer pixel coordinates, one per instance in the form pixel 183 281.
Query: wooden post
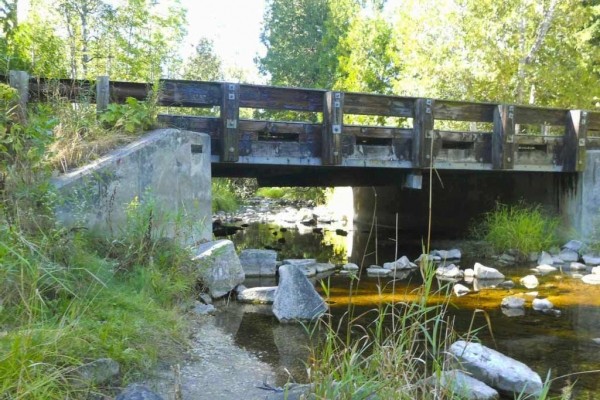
pixel 102 93
pixel 230 115
pixel 503 137
pixel 423 133
pixel 575 140
pixel 333 123
pixel 20 81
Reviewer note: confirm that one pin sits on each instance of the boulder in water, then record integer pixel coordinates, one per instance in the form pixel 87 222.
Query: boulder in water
pixel 296 298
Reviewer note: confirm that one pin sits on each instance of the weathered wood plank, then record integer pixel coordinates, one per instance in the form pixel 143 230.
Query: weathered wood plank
pixel 102 93
pixel 503 137
pixel 190 93
pixel 423 134
pixel 230 115
pixel 538 139
pixel 575 141
pixel 539 116
pixel 333 122
pixel 593 121
pixel 278 98
pixel 372 104
pixel 461 111
pixel 379 132
pixel 208 125
pixel 462 136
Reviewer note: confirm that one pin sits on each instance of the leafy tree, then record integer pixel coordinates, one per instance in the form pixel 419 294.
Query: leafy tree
pixel 302 39
pixel 204 65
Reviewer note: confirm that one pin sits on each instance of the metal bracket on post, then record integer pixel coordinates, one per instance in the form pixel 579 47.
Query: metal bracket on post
pixel 230 115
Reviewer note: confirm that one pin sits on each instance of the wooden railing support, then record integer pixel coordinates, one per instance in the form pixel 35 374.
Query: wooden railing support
pixel 423 133
pixel 503 137
pixel 575 141
pixel 230 118
pixel 333 124
pixel 19 80
pixel 102 93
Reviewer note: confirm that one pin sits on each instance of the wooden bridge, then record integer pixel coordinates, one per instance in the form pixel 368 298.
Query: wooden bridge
pixel 403 133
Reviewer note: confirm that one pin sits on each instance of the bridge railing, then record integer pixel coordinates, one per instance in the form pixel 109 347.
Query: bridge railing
pixel 494 139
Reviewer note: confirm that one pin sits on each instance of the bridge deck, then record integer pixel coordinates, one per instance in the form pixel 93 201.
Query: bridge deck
pixel 357 130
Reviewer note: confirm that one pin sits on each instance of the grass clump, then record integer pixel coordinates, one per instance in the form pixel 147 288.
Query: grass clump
pixel 224 197
pixel 316 194
pixel 521 227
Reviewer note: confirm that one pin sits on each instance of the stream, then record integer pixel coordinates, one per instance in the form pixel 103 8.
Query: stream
pixel 563 345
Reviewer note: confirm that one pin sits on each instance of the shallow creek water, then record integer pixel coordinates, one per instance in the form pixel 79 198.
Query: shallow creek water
pixel 563 345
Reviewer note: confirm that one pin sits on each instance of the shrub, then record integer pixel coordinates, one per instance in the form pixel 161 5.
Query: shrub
pixel 223 195
pixel 525 228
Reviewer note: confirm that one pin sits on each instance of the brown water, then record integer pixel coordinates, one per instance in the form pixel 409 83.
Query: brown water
pixel 562 345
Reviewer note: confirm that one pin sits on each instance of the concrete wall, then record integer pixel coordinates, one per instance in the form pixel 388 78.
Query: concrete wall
pixel 584 206
pixel 168 167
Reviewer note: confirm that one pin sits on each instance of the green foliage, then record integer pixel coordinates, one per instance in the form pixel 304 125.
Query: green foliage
pixel 131 117
pixel 316 194
pixel 223 195
pixel 520 227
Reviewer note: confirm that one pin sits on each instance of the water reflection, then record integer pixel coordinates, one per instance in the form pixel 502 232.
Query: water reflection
pixel 563 345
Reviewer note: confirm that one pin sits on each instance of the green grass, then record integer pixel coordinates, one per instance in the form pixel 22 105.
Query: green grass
pixel 521 227
pixel 69 297
pixel 316 194
pixel 223 196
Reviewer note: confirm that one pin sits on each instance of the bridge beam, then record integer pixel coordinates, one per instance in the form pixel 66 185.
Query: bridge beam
pixel 230 116
pixel 503 137
pixel 333 123
pixel 423 134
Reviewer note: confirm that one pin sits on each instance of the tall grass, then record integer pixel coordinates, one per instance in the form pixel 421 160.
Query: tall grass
pixel 525 228
pixel 223 195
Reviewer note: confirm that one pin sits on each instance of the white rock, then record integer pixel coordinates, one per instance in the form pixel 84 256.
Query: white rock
pixel 401 263
pixel 374 270
pixel 596 340
pixel 219 267
pixel 577 266
pixel 449 271
pixel 483 272
pixel 295 297
pixel 591 279
pixel 430 258
pixel 568 255
pixel 457 384
pixel 469 272
pixel 545 258
pixel 513 302
pixel 532 294
pixel 495 369
pixel 351 267
pixel 541 304
pixel 596 270
pixel 460 290
pixel 545 268
pixel 591 259
pixel 453 254
pixel 513 312
pixel 324 267
pixel 529 281
pixel 574 245
pixel 259 295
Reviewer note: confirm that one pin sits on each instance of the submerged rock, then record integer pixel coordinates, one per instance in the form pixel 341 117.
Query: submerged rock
pixel 375 270
pixel 495 369
pixel 256 262
pixel 219 267
pixel 136 391
pixel 591 279
pixel 545 268
pixel 457 384
pixel 483 272
pixel 541 304
pixel 513 302
pixel 295 297
pixel 479 284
